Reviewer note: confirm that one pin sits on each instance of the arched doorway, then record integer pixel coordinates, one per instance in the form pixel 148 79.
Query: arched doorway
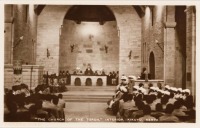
pixel 152 65
pixel 99 82
pixel 88 82
pixel 77 82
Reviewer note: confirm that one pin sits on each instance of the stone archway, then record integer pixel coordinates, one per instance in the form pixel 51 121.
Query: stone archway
pixel 49 27
pixel 89 42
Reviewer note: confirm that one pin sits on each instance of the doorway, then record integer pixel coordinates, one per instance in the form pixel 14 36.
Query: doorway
pixel 152 66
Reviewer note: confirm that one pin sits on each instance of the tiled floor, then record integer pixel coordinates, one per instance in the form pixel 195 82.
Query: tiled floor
pixel 87 112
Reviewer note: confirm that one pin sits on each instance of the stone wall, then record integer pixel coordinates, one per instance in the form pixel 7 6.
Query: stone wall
pixel 191 48
pixel 25 21
pixel 8 34
pixel 153 39
pixel 128 23
pixel 32 75
pixel 180 44
pixel 90 39
pixel 8 76
pixel 48 33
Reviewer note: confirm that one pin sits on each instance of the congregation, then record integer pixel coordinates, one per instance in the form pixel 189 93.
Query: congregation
pixel 39 105
pixel 152 104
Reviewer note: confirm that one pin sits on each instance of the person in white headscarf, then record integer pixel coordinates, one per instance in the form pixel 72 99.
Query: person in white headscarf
pixel 120 90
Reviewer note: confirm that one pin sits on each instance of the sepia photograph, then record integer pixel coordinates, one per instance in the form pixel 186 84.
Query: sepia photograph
pixel 99 63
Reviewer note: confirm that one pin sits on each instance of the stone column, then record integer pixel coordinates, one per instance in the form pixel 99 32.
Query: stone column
pixel 8 34
pixel 191 48
pixel 169 47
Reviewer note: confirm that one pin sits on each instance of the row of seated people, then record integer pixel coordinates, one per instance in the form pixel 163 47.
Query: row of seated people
pixel 56 83
pixel 36 107
pixel 112 77
pixel 153 105
pixel 150 110
pixel 60 79
pixel 51 88
pixel 42 89
pixel 64 78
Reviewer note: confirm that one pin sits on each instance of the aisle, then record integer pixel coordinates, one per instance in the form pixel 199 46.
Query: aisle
pixel 87 112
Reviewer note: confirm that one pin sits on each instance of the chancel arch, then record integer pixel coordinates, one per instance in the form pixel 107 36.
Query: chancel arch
pixel 89 39
pixel 125 24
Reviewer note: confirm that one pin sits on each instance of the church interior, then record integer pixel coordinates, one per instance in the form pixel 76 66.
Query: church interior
pixel 99 63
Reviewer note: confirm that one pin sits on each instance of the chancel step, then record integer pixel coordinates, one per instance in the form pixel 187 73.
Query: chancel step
pixel 88 94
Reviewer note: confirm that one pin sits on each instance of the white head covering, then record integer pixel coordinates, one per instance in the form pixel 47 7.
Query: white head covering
pixel 180 89
pixel 156 88
pixel 132 77
pixel 136 87
pixel 144 91
pixel 123 78
pixel 167 86
pixel 187 90
pixel 166 93
pixel 123 89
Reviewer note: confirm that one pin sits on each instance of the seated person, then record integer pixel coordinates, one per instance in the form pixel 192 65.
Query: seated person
pixel 172 99
pixel 59 112
pixel 33 115
pixel 121 89
pixel 177 109
pixel 74 73
pixel 139 113
pixel 88 71
pixel 191 112
pixel 61 102
pixel 150 101
pixel 124 82
pixel 40 111
pixel 80 73
pixel 127 106
pixel 96 73
pixel 147 115
pixel 12 115
pixel 21 107
pixel 164 101
pixel 47 102
pixel 168 117
pixel 103 73
pixel 159 111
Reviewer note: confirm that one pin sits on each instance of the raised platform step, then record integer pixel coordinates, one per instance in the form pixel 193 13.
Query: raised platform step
pixel 91 88
pixel 88 94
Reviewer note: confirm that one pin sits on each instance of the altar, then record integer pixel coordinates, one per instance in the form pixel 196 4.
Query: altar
pixel 153 82
pixel 88 80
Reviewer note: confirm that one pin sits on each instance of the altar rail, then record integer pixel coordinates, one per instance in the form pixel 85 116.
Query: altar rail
pixel 146 83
